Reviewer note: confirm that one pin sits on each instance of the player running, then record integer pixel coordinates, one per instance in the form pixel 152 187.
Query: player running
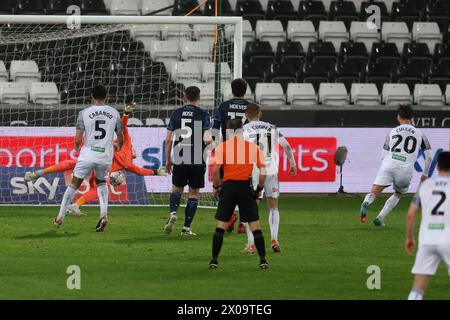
pixel 433 198
pixel 122 160
pixel 400 152
pixel 97 124
pixel 188 133
pixel 267 136
pixel 227 110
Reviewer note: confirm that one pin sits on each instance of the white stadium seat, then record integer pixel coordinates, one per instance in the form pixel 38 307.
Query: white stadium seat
pixel 195 50
pixel 204 32
pixel 333 94
pixel 428 95
pixel 209 71
pixel 228 94
pixel 447 94
pixel 176 32
pixel 396 93
pixel 333 31
pixel 270 30
pixel 360 32
pixel 365 94
pixel 270 94
pixel 44 93
pixel 3 73
pixel 184 72
pixel 396 32
pixel 149 6
pixel 247 33
pixel 301 94
pixel 24 71
pixel 13 93
pixel 146 33
pixel 125 8
pixel 301 31
pixel 206 92
pixel 427 32
pixel 163 50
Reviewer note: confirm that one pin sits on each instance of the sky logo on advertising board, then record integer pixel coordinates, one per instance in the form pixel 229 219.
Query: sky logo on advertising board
pixel 42 186
pixel 314 157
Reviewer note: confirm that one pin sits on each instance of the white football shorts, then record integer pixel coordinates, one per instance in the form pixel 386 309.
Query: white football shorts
pixel 399 178
pixel 83 169
pixel 429 257
pixel 271 185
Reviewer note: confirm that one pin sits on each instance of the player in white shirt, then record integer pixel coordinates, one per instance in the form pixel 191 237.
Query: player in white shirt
pixel 97 124
pixel 267 137
pixel 433 198
pixel 400 152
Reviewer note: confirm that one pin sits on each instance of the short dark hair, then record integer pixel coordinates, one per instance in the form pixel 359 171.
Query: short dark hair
pixel 238 87
pixel 192 93
pixel 253 110
pixel 99 92
pixel 405 111
pixel 234 124
pixel 444 161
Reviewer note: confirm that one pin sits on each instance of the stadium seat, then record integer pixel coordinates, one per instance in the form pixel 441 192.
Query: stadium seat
pixel 44 93
pixel 204 32
pixel 333 94
pixel 365 94
pixel 282 73
pixel 228 94
pixel 427 32
pixel 416 51
pixel 125 8
pixel 327 4
pixel 440 74
pixel 184 72
pixel 259 53
pixel 396 32
pixel 30 7
pixel 312 11
pixel 164 51
pixel 301 31
pixel 333 31
pixel 360 32
pixel 281 10
pixel 249 10
pixel 317 50
pixel 176 32
pixel 209 8
pixel 209 71
pixel 396 93
pixel 405 11
pixel 3 73
pixel 194 50
pixel 269 94
pixel 364 15
pixel 344 11
pixel 353 50
pixel 301 94
pixel 150 6
pixel 146 33
pixel 290 53
pixel 13 93
pixel 56 7
pixel 93 7
pixel 206 92
pixel 271 31
pixel 253 74
pixel 247 33
pixel 24 71
pixel 383 51
pixel 447 94
pixel 441 52
pixel 183 7
pixel 428 95
pixel 7 7
pixel 438 11
pixel 349 72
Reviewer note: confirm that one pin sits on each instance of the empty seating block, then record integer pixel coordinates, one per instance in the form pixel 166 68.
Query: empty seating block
pixel 396 32
pixel 301 94
pixel 185 72
pixel 209 71
pixel 176 32
pixel 333 31
pixel 270 94
pixel 13 93
pixel 44 93
pixel 24 71
pixel 365 94
pixel 360 32
pixel 3 73
pixel 150 6
pixel 194 50
pixel 271 31
pixel 125 8
pixel 301 31
pixel 396 93
pixel 333 94
pixel 427 32
pixel 428 94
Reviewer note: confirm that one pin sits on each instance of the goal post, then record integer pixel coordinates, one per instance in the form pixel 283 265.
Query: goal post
pixel 134 57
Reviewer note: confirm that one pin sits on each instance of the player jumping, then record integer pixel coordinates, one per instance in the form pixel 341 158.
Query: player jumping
pixel 266 136
pixel 400 152
pixel 433 198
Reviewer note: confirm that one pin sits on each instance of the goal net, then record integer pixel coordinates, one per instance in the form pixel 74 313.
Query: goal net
pixel 49 65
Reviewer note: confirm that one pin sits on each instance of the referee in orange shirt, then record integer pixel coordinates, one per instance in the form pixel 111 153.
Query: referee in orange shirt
pixel 237 157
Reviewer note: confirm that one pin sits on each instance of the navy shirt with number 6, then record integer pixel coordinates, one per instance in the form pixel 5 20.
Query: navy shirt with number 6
pixel 189 119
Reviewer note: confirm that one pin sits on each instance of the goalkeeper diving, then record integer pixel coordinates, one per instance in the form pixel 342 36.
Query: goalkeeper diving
pixel 122 160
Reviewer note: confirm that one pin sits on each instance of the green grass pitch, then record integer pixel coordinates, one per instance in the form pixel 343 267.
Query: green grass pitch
pixel 325 255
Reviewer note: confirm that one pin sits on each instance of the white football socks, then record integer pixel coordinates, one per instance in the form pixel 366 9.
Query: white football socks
pixel 274 222
pixel 388 206
pixel 102 191
pixel 250 238
pixel 67 199
pixel 369 198
pixel 416 294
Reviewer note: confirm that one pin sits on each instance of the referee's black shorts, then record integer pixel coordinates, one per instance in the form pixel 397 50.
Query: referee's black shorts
pixel 238 193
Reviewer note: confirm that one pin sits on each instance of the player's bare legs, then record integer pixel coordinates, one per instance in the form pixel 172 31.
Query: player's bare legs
pixel 368 200
pixel 174 203
pixel 103 194
pixel 420 285
pixel 67 199
pixel 60 167
pixel 390 204
pixel 189 212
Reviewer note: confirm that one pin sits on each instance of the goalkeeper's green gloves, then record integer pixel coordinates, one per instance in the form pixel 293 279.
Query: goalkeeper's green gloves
pixel 161 172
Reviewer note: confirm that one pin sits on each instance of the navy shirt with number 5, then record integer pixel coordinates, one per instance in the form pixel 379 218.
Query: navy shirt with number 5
pixel 190 119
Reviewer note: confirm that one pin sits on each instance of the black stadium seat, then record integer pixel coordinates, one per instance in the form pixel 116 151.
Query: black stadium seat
pixel 282 10
pixel 353 50
pixel 343 11
pixel 382 51
pixel 250 10
pixel 182 7
pixel 414 72
pixel 441 52
pixel 440 74
pixel 252 74
pixel 30 7
pixel 258 49
pixel 281 73
pixel 438 11
pixel 56 7
pixel 7 6
pixel 320 49
pixel 93 7
pixel 290 53
pixel 226 9
pixel 380 73
pixel 312 10
pixel 405 11
pixel 415 51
